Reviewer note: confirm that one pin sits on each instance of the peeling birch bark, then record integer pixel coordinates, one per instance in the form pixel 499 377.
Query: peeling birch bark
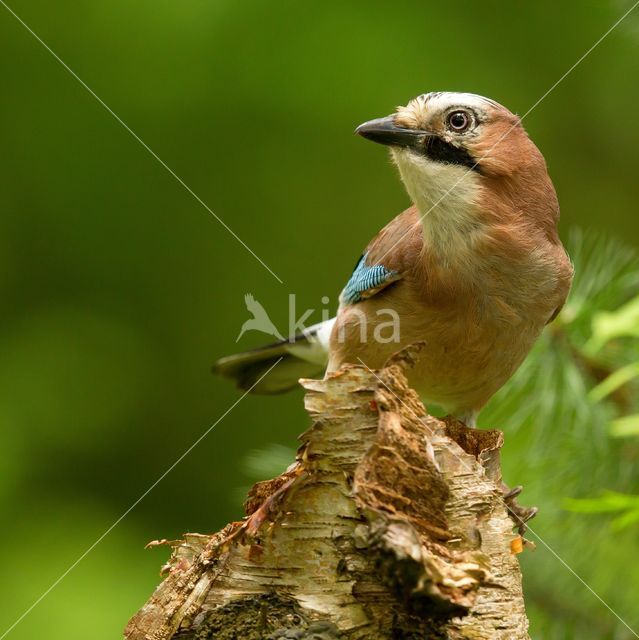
pixel 389 525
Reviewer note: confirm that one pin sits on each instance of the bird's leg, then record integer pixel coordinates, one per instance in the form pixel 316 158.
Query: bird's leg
pixel 519 515
pixel 468 419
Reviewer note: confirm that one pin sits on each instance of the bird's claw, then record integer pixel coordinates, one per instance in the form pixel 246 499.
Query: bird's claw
pixel 518 514
pixel 512 493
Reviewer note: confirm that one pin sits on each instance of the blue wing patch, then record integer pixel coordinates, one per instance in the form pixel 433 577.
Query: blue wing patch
pixel 365 280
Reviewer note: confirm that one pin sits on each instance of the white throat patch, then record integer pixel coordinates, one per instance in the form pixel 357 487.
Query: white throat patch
pixel 446 197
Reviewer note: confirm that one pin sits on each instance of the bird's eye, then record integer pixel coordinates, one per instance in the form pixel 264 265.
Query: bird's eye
pixel 459 121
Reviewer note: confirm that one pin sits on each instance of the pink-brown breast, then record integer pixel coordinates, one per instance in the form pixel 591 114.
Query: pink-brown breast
pixel 478 316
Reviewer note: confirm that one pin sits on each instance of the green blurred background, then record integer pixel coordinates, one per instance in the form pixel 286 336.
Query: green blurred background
pixel 119 290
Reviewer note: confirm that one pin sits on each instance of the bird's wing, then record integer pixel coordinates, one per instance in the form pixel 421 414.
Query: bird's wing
pixel 388 257
pixel 304 356
pixel 367 280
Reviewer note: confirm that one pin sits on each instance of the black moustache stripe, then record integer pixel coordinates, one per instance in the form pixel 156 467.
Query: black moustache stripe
pixel 442 151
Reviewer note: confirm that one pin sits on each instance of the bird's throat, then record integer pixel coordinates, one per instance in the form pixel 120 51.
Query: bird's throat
pixel 446 196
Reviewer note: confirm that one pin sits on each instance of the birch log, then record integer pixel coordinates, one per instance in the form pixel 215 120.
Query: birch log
pixel 389 525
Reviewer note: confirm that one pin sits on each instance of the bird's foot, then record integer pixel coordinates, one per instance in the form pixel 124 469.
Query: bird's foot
pixel 518 514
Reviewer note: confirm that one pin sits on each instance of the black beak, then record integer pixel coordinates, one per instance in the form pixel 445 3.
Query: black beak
pixel 385 131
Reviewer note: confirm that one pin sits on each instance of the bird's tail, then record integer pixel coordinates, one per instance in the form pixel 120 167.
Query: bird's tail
pixel 305 356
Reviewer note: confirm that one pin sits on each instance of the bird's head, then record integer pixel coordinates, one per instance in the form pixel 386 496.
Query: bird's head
pixel 462 147
pixel 461 129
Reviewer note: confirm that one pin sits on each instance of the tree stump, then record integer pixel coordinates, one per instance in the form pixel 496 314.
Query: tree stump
pixel 389 525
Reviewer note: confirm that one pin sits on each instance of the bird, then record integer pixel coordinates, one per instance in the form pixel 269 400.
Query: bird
pixel 474 269
pixel 260 320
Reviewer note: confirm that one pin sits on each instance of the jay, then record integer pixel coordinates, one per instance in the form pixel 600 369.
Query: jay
pixel 474 269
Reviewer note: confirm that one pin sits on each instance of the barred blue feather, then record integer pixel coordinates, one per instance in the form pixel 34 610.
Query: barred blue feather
pixel 365 279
